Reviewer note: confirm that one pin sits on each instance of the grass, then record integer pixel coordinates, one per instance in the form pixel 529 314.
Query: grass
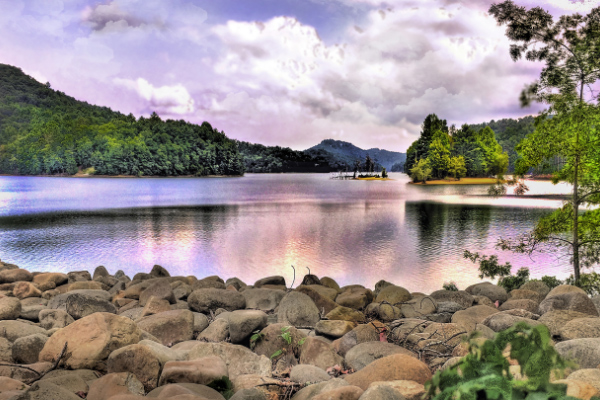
pixel 463 181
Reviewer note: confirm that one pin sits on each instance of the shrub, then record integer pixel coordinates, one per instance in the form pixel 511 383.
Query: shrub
pixel 590 283
pixel 484 372
pixel 450 286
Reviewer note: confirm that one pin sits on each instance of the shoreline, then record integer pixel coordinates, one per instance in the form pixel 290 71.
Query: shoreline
pixel 125 176
pixel 462 181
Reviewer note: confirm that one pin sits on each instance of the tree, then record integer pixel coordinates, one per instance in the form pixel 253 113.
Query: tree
pixel 570 48
pixel 369 164
pixel 356 167
pixel 421 171
pixel 439 154
pixel 384 173
pixel 457 167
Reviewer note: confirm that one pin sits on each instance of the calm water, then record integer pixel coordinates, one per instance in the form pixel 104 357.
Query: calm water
pixel 259 225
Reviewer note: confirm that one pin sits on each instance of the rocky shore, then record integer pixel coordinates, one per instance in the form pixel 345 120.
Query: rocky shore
pixel 107 336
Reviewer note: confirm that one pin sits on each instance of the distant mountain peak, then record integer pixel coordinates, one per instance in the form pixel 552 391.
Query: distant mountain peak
pixel 349 153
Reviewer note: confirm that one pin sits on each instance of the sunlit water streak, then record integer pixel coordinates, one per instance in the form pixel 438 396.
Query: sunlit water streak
pixel 259 225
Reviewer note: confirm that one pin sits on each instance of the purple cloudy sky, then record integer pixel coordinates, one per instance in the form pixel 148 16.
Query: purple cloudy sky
pixel 279 72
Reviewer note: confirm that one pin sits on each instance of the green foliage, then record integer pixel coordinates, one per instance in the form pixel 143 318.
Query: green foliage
pixel 489 267
pixel 286 335
pixel 384 173
pixel 421 171
pixel 589 282
pixel 457 167
pixel 450 286
pixel 223 386
pixel 45 132
pixel 255 338
pixel 276 354
pixel 550 281
pixel 512 282
pixel 484 372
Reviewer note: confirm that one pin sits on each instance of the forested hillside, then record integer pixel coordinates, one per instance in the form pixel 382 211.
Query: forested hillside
pixel 349 153
pixel 45 132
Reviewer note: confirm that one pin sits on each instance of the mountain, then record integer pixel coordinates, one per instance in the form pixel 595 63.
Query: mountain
pixel 347 153
pixel 46 132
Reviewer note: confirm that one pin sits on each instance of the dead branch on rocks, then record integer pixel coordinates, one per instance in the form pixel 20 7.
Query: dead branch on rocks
pixel 53 367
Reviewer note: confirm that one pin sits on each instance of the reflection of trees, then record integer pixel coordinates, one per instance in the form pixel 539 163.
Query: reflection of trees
pixel 446 228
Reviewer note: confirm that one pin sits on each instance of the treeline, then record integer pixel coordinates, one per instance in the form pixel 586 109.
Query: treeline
pixel 443 151
pixel 45 132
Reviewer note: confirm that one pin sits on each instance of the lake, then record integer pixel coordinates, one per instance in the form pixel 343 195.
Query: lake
pixel 261 224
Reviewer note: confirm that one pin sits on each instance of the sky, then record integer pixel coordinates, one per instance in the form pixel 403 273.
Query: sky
pixel 279 72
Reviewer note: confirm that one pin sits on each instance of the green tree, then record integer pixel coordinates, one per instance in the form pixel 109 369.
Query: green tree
pixel 457 167
pixel 570 48
pixel 421 172
pixel 439 154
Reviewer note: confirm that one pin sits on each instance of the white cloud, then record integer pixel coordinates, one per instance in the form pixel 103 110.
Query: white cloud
pixel 165 99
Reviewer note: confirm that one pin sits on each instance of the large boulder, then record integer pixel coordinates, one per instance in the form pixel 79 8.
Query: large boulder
pixel 44 390
pixel 395 295
pixel 343 393
pixel 520 304
pixel 525 294
pixel 170 327
pixel 503 320
pixel 24 290
pixel 317 352
pixel 79 305
pixel 585 352
pixel 161 289
pixel 15 275
pixel 363 354
pixel 419 307
pixel 556 320
pixel 304 373
pixel 203 371
pixel 381 392
pixel 311 391
pixel 562 289
pixel 319 296
pixel 26 350
pixel 59 302
pixel 115 384
pixel 536 286
pixel 239 359
pixel 345 314
pixel 243 322
pixel 297 309
pixel 185 391
pixel 579 389
pixel 50 280
pixel 411 390
pixel 581 328
pixel 590 376
pixel 269 339
pixel 12 330
pixel 489 290
pixel 206 300
pixel 270 280
pixel 472 316
pixel 390 368
pixel 461 297
pixel 10 308
pixel 356 297
pixel 91 340
pixel 383 311
pixel 573 300
pixel 334 328
pixel 263 299
pixel 361 334
pixel 138 359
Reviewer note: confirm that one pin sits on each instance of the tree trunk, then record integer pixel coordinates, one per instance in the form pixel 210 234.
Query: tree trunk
pixel 576 199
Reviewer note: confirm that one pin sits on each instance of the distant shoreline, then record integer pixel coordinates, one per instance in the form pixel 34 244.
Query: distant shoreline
pixel 125 176
pixel 463 181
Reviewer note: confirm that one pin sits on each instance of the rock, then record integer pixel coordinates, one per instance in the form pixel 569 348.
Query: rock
pixel 316 352
pixel 170 391
pixel 133 313
pixel 536 286
pixel 100 272
pixel 361 334
pixel 381 392
pixel 169 327
pixel 489 290
pixel 161 289
pixel 522 313
pixel 60 301
pixel 270 280
pixel 73 381
pixel 411 390
pixel 206 300
pixel 390 368
pixel 216 332
pixel 305 373
pixel 91 340
pixel 482 301
pixel 200 323
pixel 590 376
pixel 472 316
pixel 12 330
pixel 574 301
pixel 138 359
pixel 563 289
pixel 580 328
pixel 250 394
pixel 270 339
pixel 383 311
pixel 239 359
pixel 342 393
pixel 450 334
pixel 21 374
pixel 262 383
pixel 524 294
pixel 365 353
pixel 318 296
pixel 585 352
pixel 159 272
pixel 345 314
pixel 7 384
pixel 49 280
pixel 15 275
pixel 43 390
pixel 79 305
pixel 211 282
pixel 334 328
pixel 243 322
pixel 311 391
pixel 501 321
pixel 520 304
pixel 182 291
pixel 26 350
pixel 23 290
pixel 355 297
pixel 263 299
pixel 10 308
pixel 155 306
pixel 579 389
pixel 404 327
pixel 5 350
pixel 237 283
pixel 298 309
pixel 115 384
pixel 330 283
pixel 461 297
pixel 31 307
pixel 449 307
pixel 417 308
pixel 78 276
pixel 85 285
pixel 201 371
pixel 380 285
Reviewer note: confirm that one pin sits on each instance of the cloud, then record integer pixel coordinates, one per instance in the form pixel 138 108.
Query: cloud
pixel 165 99
pixel 104 14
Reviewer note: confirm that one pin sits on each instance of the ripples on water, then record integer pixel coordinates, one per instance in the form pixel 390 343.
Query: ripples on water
pixel 259 225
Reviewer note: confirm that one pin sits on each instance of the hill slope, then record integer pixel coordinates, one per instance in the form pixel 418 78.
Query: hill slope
pixel 45 132
pixel 347 153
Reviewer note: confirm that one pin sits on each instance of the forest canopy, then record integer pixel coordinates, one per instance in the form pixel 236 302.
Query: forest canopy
pixel 45 132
